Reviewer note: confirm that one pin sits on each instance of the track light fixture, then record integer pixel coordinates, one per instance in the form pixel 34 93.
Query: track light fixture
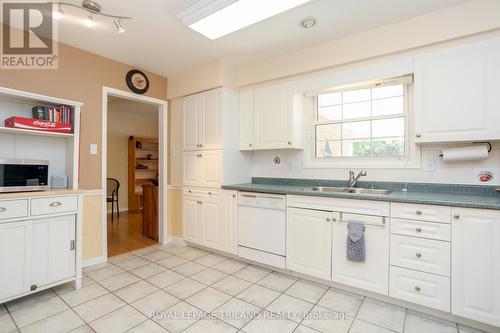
pixel 94 9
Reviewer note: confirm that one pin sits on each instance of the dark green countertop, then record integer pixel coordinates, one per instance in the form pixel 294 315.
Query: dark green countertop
pixel 472 196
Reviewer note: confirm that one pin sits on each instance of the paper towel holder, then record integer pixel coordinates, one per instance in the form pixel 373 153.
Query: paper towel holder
pixel 479 142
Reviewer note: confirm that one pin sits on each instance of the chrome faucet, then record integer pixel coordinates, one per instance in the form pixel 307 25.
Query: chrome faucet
pixel 354 180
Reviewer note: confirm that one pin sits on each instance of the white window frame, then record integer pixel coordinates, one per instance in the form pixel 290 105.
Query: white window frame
pixel 411 160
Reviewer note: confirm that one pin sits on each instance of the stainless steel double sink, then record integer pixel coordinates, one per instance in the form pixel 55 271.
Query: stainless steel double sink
pixel 349 190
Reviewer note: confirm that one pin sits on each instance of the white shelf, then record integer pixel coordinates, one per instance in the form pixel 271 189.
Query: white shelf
pixel 34 132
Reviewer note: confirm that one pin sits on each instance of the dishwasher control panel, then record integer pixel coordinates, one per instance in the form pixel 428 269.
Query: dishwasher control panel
pixel 262 200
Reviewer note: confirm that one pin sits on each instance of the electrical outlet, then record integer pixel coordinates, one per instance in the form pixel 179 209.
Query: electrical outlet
pixel 430 166
pixel 93 149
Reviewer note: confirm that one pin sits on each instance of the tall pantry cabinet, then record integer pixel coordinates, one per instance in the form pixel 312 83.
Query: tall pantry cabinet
pixel 211 158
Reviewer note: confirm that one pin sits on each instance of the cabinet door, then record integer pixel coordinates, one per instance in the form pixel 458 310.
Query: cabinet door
pixel 210 168
pixel 373 273
pixel 229 225
pixel 191 115
pixel 211 223
pixel 191 168
pixel 15 242
pixel 272 112
pixel 246 120
pixel 309 242
pixel 476 265
pixel 53 250
pixel 191 207
pixel 211 128
pixel 456 93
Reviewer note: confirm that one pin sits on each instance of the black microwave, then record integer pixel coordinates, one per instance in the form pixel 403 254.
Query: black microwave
pixel 23 175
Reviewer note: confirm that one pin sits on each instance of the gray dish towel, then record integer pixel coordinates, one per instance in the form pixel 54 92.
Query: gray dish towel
pixel 355 242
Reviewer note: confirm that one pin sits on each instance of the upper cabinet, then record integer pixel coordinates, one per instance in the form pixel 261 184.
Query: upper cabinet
pixel 271 118
pixel 202 121
pixel 456 93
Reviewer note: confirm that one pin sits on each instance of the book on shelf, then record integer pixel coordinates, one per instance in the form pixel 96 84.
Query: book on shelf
pixel 58 114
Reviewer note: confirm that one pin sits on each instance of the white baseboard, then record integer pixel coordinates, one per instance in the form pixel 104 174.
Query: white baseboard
pixel 176 241
pixel 93 261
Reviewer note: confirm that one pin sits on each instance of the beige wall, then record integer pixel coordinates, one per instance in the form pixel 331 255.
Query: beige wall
pixel 80 77
pixel 175 212
pixel 92 230
pixel 125 119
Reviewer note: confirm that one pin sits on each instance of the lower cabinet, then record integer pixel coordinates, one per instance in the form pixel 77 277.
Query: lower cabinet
pixel 36 253
pixel 373 273
pixel 210 218
pixel 475 267
pixel 15 258
pixel 309 242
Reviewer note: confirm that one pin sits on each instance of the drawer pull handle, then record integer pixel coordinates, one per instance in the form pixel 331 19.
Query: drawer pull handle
pixel 33 287
pixel 418 229
pixel 199 155
pixel 234 195
pixel 419 212
pixel 189 191
pixel 456 216
pixel 417 288
pixel 199 202
pixel 55 204
pixel 2 209
pixel 418 255
pixel 328 219
pixel 209 193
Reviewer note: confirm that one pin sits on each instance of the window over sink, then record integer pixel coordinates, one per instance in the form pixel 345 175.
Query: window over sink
pixel 367 124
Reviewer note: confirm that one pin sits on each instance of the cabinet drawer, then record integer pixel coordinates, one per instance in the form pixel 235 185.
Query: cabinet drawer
pixel 421 254
pixel 430 230
pixel 13 208
pixel 200 192
pixel 421 212
pixel 41 206
pixel 420 288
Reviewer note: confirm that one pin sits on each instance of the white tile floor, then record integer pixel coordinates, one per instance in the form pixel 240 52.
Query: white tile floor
pixel 183 289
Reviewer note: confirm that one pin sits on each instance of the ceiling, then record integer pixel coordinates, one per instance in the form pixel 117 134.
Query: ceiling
pixel 157 41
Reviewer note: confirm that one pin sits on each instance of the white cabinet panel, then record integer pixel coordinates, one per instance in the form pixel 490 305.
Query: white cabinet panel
pixel 372 274
pixel 456 93
pixel 10 209
pixel 53 250
pixel 420 288
pixel 421 212
pixel 420 229
pixel 211 168
pixel 190 166
pixel 229 222
pixel 476 264
pixel 211 223
pixel 309 242
pixel 211 128
pixel 15 242
pixel 191 207
pixel 246 120
pixel 425 255
pixel 191 115
pixel 43 206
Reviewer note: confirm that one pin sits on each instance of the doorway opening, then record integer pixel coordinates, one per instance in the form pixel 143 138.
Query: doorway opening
pixel 134 172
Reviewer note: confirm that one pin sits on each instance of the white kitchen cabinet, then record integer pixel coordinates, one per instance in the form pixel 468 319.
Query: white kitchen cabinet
pixel 456 93
pixel 309 241
pixel 202 168
pixel 210 221
pixel 373 273
pixel 272 118
pixel 15 240
pixel 202 121
pixel 191 212
pixel 229 228
pixel 246 120
pixel 53 250
pixel 475 272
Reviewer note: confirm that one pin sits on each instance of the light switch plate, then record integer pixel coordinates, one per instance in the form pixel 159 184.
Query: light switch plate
pixel 93 149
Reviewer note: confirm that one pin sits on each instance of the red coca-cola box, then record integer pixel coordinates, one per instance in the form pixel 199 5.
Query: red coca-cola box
pixel 37 125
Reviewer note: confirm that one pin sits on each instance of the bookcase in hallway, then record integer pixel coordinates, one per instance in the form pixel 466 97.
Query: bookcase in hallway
pixel 142 167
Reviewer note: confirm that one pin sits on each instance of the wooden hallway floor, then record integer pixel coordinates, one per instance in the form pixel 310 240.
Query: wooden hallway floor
pixel 125 234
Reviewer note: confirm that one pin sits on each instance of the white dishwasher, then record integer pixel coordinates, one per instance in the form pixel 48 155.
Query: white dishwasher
pixel 262 228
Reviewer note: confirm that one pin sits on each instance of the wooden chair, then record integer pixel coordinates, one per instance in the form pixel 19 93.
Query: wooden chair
pixel 112 186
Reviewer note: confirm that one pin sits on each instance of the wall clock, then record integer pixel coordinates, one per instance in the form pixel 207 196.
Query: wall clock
pixel 137 81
